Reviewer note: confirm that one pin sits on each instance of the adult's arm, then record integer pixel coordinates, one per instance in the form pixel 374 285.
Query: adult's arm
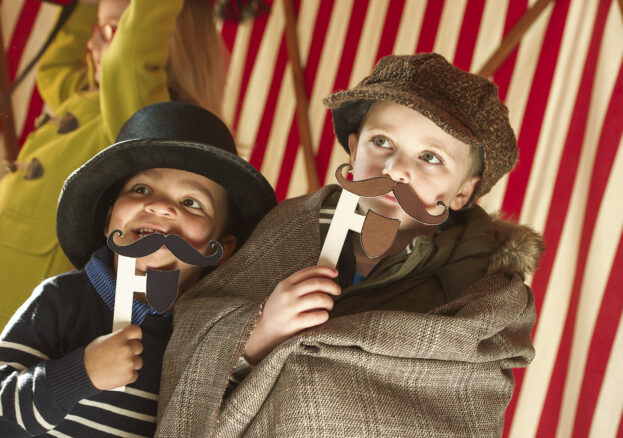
pixel 62 68
pixel 134 66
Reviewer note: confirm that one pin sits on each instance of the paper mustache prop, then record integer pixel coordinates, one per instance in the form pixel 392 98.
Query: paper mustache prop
pixel 160 287
pixel 377 232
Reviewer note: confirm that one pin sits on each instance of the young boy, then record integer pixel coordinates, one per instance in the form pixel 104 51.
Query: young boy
pixel 173 170
pixel 420 342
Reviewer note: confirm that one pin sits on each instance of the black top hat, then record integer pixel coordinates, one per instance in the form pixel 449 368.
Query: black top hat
pixel 173 135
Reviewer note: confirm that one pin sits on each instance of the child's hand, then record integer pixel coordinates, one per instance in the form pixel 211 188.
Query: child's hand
pixel 300 301
pixel 112 360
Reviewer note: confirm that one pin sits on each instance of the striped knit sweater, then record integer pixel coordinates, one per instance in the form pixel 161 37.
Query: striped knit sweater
pixel 44 387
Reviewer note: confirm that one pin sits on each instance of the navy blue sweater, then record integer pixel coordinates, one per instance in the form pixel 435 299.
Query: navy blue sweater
pixel 44 384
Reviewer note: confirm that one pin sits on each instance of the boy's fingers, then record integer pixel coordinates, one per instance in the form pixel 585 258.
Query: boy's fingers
pixel 138 362
pixel 311 319
pixel 315 301
pixel 312 271
pixel 312 285
pixel 136 346
pixel 132 332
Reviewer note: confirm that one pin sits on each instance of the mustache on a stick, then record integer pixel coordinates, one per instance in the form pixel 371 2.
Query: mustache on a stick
pixel 180 248
pixel 406 197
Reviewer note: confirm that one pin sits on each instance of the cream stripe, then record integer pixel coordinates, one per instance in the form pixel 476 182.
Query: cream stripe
pixel 40 418
pixel 609 408
pixel 17 366
pixel 21 97
pixel 58 434
pixel 236 69
pixel 102 427
pixel 609 222
pixel 18 411
pixel 490 32
pixel 285 110
pixel 139 393
pixel 9 13
pixel 117 410
pixel 560 106
pixel 324 221
pixel 518 93
pixel 24 348
pixel 327 210
pixel 449 28
pixel 323 85
pixel 410 26
pixel 259 82
pixel 363 64
pixel 555 306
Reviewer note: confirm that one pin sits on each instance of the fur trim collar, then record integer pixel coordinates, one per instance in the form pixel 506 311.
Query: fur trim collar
pixel 520 248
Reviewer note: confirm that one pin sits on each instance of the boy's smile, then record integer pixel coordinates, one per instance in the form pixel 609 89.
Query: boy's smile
pixel 401 143
pixel 170 201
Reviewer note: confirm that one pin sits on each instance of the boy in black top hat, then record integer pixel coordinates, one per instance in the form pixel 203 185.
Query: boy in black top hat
pixel 173 170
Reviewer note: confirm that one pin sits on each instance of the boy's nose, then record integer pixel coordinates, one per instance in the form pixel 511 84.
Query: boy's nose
pixel 398 170
pixel 161 207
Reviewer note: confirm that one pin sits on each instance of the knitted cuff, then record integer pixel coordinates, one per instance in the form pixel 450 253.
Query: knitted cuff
pixel 68 379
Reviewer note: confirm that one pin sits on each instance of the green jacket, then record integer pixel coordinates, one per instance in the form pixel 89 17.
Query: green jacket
pixel 83 123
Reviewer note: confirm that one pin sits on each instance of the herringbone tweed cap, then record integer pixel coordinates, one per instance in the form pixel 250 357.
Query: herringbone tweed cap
pixel 464 105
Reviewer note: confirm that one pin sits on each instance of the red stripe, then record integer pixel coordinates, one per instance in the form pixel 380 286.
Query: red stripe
pixel 469 34
pixel 430 24
pixel 34 110
pixel 390 28
pixel 19 39
pixel 608 321
pixel 228 33
pixel 257 33
pixel 556 220
pixel 535 109
pixel 620 431
pixel 341 82
pixel 266 122
pixel 311 67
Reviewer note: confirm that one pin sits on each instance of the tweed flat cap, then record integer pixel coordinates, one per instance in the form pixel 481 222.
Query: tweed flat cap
pixel 464 105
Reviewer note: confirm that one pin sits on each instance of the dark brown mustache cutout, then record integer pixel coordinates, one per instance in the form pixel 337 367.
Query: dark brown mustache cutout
pixel 406 197
pixel 180 248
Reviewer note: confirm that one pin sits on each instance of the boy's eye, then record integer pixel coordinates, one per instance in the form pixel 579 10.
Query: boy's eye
pixel 141 189
pixel 190 203
pixel 381 142
pixel 431 158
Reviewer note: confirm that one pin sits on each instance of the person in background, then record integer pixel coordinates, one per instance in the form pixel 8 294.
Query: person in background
pixel 109 60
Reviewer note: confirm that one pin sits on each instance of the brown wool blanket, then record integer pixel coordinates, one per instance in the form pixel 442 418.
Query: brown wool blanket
pixel 444 373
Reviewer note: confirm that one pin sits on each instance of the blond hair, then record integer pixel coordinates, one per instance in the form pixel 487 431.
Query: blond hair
pixel 197 58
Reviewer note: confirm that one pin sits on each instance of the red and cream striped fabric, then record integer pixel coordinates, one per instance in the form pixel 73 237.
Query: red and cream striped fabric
pixel 564 88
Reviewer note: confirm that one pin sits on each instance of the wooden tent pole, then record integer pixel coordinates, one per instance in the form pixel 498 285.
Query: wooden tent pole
pixel 7 124
pixel 512 38
pixel 302 116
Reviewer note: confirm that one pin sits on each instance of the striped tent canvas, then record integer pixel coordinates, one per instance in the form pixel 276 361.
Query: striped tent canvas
pixel 563 84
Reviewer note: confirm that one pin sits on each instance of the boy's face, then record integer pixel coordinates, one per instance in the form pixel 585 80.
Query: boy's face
pixel 171 201
pixel 401 143
pixel 109 13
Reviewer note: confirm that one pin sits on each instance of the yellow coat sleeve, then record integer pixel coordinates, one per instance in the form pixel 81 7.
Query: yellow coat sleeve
pixel 133 71
pixel 62 69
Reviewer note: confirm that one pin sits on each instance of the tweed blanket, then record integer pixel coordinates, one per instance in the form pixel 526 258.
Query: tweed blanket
pixel 373 374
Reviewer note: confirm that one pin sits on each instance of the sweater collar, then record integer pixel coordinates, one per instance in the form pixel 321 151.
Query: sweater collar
pixel 99 269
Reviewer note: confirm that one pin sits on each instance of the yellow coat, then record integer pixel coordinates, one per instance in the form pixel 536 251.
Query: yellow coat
pixel 133 75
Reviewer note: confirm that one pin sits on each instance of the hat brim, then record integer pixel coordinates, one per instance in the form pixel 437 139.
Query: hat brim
pixel 83 206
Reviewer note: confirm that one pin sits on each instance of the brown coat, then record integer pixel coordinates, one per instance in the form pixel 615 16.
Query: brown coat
pixel 446 372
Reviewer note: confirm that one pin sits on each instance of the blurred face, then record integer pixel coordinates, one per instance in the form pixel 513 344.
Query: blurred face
pixel 401 143
pixel 108 15
pixel 171 201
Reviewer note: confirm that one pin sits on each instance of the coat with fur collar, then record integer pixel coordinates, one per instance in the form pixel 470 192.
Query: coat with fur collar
pixel 377 373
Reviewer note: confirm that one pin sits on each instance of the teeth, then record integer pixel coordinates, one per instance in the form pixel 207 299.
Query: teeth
pixel 145 231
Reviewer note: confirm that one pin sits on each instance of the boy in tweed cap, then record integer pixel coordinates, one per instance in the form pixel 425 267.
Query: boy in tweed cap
pixel 419 342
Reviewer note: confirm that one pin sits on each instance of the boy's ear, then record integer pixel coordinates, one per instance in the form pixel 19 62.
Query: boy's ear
pixel 229 246
pixel 352 145
pixel 465 193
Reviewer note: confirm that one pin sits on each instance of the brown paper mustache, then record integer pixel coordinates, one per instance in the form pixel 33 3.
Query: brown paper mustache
pixel 378 232
pixel 406 197
pixel 180 248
